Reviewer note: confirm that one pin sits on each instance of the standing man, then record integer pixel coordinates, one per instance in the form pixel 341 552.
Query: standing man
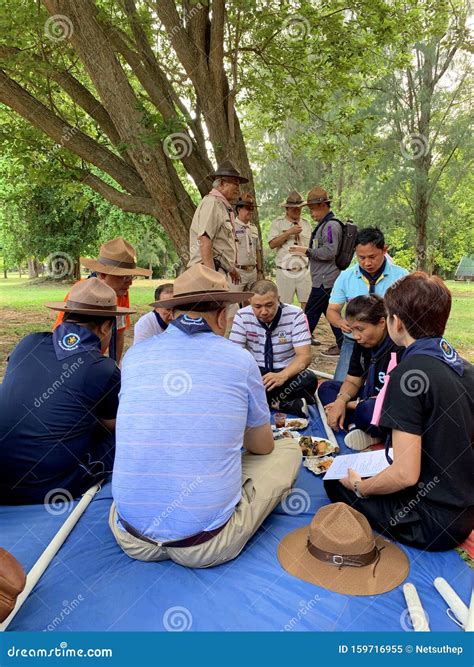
pixel 372 274
pixel 116 267
pixel 249 252
pixel 292 273
pixel 322 251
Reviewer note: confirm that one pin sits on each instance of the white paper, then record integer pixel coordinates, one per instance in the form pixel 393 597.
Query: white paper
pixel 366 464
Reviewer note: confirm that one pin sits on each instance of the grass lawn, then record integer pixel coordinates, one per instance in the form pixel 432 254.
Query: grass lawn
pixel 22 311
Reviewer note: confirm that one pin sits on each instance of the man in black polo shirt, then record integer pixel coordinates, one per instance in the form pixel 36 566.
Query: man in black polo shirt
pixel 58 402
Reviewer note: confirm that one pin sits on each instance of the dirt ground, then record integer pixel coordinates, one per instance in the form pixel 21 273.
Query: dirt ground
pixel 16 323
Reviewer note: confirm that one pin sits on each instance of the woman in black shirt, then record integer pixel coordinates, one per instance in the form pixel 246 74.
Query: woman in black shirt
pixel 425 498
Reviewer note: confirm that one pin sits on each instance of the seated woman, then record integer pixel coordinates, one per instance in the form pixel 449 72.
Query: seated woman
pixel 425 498
pixel 350 404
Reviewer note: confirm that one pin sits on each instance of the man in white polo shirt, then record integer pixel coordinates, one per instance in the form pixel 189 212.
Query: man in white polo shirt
pixel 277 335
pixel 190 401
pixel 157 320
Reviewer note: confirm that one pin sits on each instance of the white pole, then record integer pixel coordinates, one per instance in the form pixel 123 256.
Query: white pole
pixel 321 374
pixel 452 599
pixel 469 627
pixel 329 432
pixel 49 553
pixel 415 608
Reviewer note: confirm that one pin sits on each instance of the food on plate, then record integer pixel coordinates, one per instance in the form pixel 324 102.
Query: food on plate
pixel 297 423
pixel 318 466
pixel 312 446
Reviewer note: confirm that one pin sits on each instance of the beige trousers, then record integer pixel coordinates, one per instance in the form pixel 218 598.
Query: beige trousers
pixel 289 283
pixel 265 481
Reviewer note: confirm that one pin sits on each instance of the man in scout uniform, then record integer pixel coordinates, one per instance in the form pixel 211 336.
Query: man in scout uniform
pixel 116 266
pixel 249 254
pixel 59 400
pixel 292 273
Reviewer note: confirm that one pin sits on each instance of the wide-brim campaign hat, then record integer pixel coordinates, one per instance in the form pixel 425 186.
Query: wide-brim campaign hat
pixel 91 297
pixel 317 195
pixel 200 284
pixel 226 168
pixel 294 200
pixel 339 551
pixel 246 200
pixel 116 258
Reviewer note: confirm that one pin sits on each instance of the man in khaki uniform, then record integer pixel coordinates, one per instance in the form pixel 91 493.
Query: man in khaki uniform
pixel 248 244
pixel 292 272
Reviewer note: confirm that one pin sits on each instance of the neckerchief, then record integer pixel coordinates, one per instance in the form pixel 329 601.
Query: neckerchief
pixel 161 322
pixel 70 339
pixel 191 325
pixel 438 348
pixel 329 216
pixel 373 278
pixel 376 352
pixel 269 329
pixel 219 195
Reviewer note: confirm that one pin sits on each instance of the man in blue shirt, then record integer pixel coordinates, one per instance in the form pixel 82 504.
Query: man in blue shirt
pixel 373 274
pixel 58 402
pixel 190 400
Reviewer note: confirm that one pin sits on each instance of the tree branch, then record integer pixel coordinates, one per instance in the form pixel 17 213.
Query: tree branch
pixel 127 203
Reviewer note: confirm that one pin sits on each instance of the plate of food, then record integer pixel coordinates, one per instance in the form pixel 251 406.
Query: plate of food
pixel 297 424
pixel 318 465
pixel 313 446
pixel 280 433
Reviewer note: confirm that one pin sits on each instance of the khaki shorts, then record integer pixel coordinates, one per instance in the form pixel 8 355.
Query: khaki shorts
pixel 266 479
pixel 247 279
pixel 289 283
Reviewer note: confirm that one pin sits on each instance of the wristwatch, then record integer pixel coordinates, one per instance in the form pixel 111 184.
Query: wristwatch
pixel 358 493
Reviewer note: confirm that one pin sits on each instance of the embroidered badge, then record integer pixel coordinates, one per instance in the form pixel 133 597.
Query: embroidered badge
pixel 448 351
pixel 69 342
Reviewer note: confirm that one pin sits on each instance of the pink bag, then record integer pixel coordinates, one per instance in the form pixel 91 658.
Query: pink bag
pixel 381 396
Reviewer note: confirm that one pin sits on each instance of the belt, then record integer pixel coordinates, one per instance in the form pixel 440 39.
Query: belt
pixel 295 268
pixel 192 541
pixel 246 267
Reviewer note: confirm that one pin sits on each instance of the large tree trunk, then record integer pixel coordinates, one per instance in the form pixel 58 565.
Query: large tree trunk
pixel 33 268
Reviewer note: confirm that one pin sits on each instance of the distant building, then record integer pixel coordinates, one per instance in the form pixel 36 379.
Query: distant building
pixel 465 270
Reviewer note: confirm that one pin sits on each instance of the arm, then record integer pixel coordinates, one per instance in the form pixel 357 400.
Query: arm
pixel 278 241
pixel 299 363
pixel 328 251
pixel 336 412
pixel 109 424
pixel 259 439
pixel 205 249
pixel 333 316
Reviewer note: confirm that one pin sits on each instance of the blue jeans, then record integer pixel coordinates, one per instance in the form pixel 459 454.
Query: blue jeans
pixel 344 358
pixel 361 416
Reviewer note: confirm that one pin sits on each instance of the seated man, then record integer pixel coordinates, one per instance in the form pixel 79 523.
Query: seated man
pixel 278 337
pixel 58 402
pixel 190 401
pixel 350 404
pixel 425 498
pixel 157 320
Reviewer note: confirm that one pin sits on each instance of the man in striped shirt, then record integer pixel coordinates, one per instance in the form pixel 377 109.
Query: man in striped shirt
pixel 278 337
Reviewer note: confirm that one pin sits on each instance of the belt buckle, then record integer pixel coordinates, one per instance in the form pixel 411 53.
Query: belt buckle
pixel 338 560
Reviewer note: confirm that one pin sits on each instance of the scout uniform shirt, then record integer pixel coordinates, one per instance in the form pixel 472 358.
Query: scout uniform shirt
pixel 214 218
pixel 284 260
pixel 246 236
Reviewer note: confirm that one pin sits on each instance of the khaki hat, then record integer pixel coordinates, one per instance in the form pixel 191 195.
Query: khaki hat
pixel 200 284
pixel 246 200
pixel 339 551
pixel 91 297
pixel 294 199
pixel 116 258
pixel 317 195
pixel 226 168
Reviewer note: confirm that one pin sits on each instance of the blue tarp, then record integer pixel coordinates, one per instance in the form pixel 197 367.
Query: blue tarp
pixel 92 585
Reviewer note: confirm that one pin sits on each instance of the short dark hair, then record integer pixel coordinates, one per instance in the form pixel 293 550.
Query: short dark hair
pixel 262 287
pixel 368 308
pixel 201 307
pixel 166 287
pixel 371 235
pixel 422 302
pixel 84 320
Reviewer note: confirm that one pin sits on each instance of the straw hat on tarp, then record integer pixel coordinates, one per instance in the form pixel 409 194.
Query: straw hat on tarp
pixel 294 200
pixel 339 551
pixel 226 168
pixel 91 297
pixel 200 284
pixel 317 195
pixel 116 258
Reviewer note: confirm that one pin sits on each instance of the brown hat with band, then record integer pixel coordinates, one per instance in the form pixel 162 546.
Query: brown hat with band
pixel 116 258
pixel 246 200
pixel 317 195
pixel 226 168
pixel 200 284
pixel 294 200
pixel 12 582
pixel 91 297
pixel 339 551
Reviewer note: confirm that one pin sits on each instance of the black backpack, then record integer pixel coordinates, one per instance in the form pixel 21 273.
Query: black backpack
pixel 346 248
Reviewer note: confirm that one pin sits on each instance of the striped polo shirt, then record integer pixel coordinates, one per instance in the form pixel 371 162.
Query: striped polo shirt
pixel 185 403
pixel 292 331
